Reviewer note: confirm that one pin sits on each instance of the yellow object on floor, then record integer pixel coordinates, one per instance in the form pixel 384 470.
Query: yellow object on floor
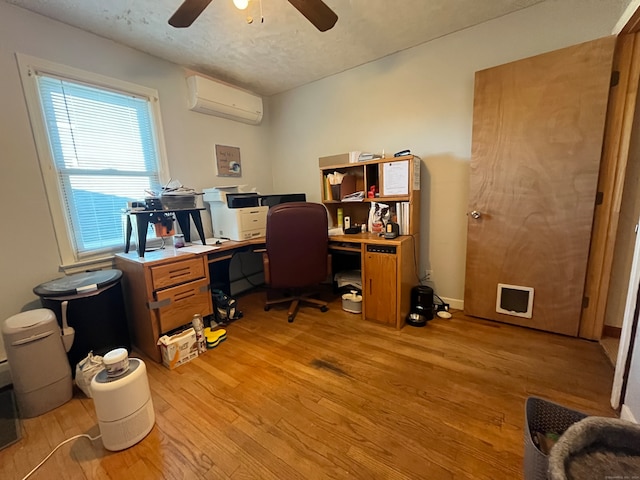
pixel 214 337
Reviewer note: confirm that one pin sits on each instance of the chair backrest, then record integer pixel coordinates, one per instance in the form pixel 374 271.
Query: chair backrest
pixel 297 244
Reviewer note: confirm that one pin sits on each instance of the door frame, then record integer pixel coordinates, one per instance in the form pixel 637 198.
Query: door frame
pixel 615 154
pixel 626 340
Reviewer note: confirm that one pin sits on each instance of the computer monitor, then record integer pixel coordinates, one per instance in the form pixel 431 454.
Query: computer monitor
pixel 276 199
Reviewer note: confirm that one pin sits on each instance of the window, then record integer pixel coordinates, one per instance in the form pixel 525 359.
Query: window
pixel 97 140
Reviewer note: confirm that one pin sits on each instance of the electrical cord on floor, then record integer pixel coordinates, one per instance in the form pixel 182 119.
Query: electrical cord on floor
pixel 93 439
pixel 244 275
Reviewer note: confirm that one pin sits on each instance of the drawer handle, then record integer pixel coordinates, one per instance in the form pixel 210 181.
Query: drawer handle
pixel 159 304
pixel 180 273
pixel 184 295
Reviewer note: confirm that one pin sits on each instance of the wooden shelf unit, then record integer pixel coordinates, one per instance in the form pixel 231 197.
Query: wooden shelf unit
pixel 388 266
pixel 368 174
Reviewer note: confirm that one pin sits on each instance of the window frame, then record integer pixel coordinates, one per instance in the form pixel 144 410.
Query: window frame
pixel 28 66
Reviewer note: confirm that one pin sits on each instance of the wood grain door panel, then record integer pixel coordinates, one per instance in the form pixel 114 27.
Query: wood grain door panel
pixel 379 288
pixel 537 139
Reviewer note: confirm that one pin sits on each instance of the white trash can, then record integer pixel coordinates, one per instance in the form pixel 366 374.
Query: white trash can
pixel 38 362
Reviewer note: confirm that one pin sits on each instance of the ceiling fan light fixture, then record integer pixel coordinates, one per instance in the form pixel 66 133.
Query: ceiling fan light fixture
pixel 316 11
pixel 241 4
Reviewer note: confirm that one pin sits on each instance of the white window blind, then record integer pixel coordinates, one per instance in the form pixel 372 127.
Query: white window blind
pixel 103 147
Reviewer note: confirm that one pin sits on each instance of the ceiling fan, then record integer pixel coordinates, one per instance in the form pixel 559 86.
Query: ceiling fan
pixel 316 11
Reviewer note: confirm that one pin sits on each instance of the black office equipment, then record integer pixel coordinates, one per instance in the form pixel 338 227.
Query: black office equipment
pixel 153 203
pixel 392 230
pixel 421 306
pixel 278 198
pixel 243 200
pixel 402 153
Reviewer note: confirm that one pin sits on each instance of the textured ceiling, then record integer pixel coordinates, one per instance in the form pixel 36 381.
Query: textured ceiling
pixel 283 52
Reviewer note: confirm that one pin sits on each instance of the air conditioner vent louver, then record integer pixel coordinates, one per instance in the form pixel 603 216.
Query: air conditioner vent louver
pixel 216 98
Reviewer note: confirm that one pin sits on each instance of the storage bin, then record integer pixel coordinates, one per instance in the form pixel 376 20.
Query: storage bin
pixel 543 416
pixel 94 309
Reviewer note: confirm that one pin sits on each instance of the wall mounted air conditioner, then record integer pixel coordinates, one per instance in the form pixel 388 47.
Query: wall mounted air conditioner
pixel 216 98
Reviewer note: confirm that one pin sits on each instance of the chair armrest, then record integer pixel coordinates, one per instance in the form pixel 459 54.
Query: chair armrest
pixel 265 266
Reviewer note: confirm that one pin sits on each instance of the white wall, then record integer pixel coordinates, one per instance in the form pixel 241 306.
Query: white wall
pixel 422 99
pixel 29 253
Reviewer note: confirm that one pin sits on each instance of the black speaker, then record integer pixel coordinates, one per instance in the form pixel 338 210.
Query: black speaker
pixel 391 230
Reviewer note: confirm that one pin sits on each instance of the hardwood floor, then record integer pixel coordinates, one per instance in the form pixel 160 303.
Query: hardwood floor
pixel 610 346
pixel 330 396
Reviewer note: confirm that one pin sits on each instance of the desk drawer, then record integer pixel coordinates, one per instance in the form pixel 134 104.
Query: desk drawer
pixel 177 272
pixel 180 303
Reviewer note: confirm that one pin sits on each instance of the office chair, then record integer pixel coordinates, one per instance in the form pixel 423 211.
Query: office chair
pixel 297 256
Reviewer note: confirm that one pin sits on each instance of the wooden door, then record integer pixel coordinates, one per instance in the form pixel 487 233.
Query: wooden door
pixel 537 138
pixel 380 277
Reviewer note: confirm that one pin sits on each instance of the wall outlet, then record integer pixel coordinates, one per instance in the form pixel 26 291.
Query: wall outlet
pixel 428 275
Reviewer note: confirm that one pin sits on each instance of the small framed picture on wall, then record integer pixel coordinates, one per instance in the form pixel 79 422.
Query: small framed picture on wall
pixel 228 161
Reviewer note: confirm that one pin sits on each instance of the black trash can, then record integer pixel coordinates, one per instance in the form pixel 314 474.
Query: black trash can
pixel 94 309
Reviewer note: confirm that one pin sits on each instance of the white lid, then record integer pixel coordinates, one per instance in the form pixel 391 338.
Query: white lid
pixel 115 356
pixel 30 318
pixel 353 296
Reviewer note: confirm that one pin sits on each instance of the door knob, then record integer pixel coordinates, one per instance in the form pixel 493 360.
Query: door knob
pixel 475 214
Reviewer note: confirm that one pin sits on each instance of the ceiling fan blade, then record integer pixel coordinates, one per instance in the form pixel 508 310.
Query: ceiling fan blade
pixel 188 12
pixel 317 12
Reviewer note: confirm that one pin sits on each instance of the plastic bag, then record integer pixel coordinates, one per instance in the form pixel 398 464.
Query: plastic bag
pixel 86 369
pixel 379 216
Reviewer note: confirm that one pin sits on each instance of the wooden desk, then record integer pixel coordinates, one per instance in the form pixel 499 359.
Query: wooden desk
pixel 142 222
pixel 388 274
pixel 165 288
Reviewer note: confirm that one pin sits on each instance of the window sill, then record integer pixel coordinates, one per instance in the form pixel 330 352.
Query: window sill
pixel 85 265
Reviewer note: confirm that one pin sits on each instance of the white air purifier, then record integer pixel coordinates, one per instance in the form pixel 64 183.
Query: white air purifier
pixel 122 400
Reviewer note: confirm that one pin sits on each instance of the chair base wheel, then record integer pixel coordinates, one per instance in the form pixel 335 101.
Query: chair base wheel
pixel 267 308
pixel 324 309
pixel 290 318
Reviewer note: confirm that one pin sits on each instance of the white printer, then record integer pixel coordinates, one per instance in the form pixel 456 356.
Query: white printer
pixel 235 214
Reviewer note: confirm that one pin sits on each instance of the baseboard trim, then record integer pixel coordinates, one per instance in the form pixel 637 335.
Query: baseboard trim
pixel 454 303
pixel 625 414
pixel 611 331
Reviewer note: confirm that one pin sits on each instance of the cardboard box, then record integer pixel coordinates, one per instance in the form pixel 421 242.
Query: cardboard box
pixel 179 348
pixel 332 160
